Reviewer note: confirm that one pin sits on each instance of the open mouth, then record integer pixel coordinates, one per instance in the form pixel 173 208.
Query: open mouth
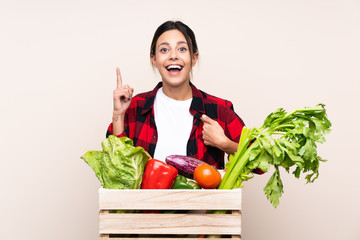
pixel 174 68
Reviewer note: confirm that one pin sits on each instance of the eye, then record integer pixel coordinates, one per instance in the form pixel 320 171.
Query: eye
pixel 182 49
pixel 164 50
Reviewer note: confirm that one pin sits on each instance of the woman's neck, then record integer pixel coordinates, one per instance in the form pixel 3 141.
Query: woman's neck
pixel 179 93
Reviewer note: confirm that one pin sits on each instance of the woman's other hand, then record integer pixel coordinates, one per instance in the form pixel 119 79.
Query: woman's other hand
pixel 213 135
pixel 122 95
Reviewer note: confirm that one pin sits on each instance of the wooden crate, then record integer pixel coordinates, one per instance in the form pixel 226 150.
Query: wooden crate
pixel 187 224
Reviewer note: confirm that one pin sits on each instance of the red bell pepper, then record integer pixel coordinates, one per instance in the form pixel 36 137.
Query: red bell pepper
pixel 158 175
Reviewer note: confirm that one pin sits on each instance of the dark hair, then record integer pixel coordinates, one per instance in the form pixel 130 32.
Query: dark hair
pixel 183 28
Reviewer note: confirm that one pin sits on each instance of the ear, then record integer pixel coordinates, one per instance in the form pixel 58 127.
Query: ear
pixel 153 60
pixel 195 58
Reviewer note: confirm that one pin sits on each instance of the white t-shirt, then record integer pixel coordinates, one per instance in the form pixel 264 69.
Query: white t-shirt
pixel 174 123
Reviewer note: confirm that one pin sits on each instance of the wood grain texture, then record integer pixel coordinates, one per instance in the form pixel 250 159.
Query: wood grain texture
pixel 193 222
pixel 170 224
pixel 170 199
pixel 164 238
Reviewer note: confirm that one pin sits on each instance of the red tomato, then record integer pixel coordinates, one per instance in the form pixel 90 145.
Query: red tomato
pixel 207 176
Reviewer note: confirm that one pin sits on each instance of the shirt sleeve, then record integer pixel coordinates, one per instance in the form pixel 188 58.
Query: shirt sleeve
pixel 234 124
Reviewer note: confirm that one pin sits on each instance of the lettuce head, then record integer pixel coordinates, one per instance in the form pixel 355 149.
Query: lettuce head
pixel 119 165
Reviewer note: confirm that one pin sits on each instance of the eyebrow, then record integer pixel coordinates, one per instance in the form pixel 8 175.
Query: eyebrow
pixel 166 43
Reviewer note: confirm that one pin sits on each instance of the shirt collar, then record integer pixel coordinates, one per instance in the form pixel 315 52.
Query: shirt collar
pixel 197 103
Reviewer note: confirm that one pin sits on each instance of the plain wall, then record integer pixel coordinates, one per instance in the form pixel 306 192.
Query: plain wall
pixel 57 71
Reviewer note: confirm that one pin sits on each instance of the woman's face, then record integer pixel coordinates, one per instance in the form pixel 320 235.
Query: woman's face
pixel 172 58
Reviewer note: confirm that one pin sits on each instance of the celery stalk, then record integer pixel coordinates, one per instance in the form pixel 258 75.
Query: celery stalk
pixel 243 143
pixel 284 140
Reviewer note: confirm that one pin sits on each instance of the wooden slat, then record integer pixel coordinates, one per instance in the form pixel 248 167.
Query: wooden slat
pixel 104 236
pixel 236 213
pixel 175 238
pixel 170 199
pixel 170 224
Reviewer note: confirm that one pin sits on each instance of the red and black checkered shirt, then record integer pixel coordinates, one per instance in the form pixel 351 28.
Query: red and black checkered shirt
pixel 141 128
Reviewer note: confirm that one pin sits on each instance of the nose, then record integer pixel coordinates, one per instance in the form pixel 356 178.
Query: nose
pixel 173 55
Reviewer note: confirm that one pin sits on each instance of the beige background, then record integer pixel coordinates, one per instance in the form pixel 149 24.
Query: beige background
pixel 58 60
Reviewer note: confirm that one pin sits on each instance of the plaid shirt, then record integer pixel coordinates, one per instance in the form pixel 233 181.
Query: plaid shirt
pixel 141 128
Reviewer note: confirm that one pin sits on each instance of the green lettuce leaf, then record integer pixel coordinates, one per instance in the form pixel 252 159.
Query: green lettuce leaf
pixel 119 165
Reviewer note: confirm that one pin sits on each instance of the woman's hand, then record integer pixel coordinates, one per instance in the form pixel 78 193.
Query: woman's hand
pixel 213 135
pixel 122 96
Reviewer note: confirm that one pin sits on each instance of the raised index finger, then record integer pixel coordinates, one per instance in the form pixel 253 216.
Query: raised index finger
pixel 118 78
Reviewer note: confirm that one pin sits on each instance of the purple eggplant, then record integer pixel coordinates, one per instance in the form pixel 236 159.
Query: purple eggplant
pixel 184 164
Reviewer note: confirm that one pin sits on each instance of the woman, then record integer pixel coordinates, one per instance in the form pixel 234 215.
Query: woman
pixel 176 117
